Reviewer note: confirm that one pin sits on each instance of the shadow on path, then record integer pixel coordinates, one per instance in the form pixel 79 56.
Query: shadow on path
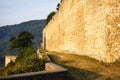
pixel 76 73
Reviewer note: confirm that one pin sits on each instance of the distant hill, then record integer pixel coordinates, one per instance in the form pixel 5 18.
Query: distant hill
pixel 34 26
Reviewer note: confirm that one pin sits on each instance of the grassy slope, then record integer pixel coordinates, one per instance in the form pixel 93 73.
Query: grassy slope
pixel 85 68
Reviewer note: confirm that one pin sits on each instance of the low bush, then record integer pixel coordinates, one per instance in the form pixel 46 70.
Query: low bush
pixel 27 61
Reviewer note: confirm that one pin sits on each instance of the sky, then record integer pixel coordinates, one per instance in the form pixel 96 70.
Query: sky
pixel 17 11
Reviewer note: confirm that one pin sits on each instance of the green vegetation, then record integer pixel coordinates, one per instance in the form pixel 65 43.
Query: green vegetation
pixel 49 17
pixel 35 27
pixel 22 40
pixel 27 61
pixel 58 6
pixel 86 68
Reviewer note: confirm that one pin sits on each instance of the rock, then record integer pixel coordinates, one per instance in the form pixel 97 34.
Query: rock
pixel 41 55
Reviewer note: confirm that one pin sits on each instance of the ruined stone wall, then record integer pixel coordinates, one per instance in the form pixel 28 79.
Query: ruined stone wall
pixel 85 27
pixel 9 58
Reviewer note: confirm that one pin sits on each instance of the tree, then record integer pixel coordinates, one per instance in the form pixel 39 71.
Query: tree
pixel 21 41
pixel 58 6
pixel 28 61
pixel 49 17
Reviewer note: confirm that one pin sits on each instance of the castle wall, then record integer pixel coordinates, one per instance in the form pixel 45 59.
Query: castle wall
pixel 85 27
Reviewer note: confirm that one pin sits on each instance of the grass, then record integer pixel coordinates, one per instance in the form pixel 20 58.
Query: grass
pixel 86 68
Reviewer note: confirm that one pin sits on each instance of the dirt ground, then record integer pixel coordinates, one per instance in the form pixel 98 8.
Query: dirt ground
pixel 86 68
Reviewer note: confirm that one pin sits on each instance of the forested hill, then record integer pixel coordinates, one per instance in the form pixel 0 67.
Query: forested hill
pixel 34 26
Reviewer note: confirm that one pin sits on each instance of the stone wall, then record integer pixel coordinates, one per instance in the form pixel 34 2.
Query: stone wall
pixel 53 72
pixel 85 27
pixel 9 58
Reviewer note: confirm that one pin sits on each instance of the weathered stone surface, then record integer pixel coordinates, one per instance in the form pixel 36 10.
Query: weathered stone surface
pixel 9 58
pixel 42 55
pixel 85 27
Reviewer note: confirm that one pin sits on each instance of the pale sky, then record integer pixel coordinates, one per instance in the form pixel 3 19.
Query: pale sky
pixel 17 11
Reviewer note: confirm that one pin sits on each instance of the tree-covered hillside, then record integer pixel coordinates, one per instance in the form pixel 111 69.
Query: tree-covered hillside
pixel 35 27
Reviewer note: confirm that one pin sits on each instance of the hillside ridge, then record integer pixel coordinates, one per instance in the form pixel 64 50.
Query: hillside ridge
pixel 34 26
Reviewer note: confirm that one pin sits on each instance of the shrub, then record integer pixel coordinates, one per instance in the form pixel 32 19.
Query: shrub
pixel 49 17
pixel 12 63
pixel 27 61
